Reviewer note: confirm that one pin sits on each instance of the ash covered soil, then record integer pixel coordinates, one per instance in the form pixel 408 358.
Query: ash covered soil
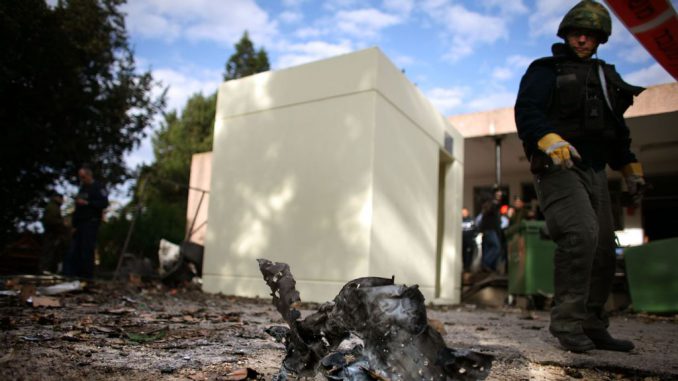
pixel 150 332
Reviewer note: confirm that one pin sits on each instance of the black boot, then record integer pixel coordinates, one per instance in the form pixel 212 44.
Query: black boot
pixel 602 340
pixel 575 342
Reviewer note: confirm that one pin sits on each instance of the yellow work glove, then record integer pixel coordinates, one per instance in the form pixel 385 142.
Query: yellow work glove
pixel 560 151
pixel 635 183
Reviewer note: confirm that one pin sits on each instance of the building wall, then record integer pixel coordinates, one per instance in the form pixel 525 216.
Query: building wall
pixel 198 197
pixel 333 168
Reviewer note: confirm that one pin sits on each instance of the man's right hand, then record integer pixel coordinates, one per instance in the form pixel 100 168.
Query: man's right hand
pixel 560 151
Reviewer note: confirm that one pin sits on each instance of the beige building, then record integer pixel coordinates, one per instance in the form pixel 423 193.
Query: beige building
pixel 340 168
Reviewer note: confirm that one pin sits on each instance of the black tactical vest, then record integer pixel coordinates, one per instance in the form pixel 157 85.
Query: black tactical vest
pixel 578 109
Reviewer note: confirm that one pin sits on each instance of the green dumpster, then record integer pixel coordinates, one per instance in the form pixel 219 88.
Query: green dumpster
pixel 530 260
pixel 651 272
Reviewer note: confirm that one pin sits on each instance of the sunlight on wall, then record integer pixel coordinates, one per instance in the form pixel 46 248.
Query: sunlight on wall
pixel 262 212
pixel 353 219
pixel 254 237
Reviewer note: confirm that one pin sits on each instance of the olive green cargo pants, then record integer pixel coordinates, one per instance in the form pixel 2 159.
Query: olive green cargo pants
pixel 576 204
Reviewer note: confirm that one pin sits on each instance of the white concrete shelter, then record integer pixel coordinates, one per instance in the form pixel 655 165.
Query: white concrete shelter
pixel 340 168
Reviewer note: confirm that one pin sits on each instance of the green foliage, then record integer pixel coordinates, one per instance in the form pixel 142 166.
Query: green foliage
pixel 69 94
pixel 174 145
pixel 155 221
pixel 246 61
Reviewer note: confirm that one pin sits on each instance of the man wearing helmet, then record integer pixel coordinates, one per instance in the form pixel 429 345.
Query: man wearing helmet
pixel 569 114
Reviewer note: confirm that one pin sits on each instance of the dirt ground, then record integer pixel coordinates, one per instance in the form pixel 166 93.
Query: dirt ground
pixel 146 331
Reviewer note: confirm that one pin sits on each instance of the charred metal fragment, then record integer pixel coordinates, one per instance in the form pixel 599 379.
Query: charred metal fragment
pixel 372 330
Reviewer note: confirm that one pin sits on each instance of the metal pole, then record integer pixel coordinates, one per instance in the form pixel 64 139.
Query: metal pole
pixel 131 228
pixel 497 157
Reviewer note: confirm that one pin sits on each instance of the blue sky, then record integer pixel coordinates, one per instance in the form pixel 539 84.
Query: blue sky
pixel 465 56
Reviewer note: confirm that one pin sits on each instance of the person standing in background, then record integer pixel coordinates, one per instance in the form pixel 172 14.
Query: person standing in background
pixel 90 203
pixel 469 233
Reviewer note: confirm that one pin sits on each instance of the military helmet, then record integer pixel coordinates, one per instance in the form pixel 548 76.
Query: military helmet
pixel 587 14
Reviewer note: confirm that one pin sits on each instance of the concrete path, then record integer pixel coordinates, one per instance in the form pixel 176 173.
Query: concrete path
pixel 521 341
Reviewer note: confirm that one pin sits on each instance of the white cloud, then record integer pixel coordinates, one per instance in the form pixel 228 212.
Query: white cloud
pixel 498 99
pixel 403 61
pixel 150 24
pixel 212 20
pixel 182 85
pixel 143 154
pixel 364 23
pixel 519 62
pixel 649 76
pixel 290 17
pixel 515 64
pixel 446 99
pixel 401 7
pixel 297 54
pixel 456 100
pixel 467 29
pixel 309 32
pixel 334 5
pixel 513 7
pixel 502 73
pixel 544 20
pixel 292 3
pixel 636 54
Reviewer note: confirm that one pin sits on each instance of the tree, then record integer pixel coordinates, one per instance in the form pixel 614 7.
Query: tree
pixel 246 61
pixel 165 193
pixel 69 94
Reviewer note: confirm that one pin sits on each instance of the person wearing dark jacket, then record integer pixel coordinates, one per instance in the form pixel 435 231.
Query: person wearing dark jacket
pixel 493 253
pixel 569 115
pixel 468 238
pixel 90 203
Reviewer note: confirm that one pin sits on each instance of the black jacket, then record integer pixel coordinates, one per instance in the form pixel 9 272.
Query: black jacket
pixel 542 107
pixel 97 201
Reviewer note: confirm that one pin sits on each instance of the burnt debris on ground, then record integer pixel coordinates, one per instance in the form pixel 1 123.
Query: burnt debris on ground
pixel 141 330
pixel 374 329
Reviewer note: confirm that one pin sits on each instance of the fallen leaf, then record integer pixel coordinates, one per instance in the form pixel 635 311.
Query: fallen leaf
pixel 375 375
pixel 27 291
pixel 119 311
pixel 8 357
pixel 231 317
pixel 72 336
pixel 50 319
pixel 45 301
pixel 135 279
pixel 198 376
pixel 438 326
pixel 104 329
pixel 142 337
pixel 242 374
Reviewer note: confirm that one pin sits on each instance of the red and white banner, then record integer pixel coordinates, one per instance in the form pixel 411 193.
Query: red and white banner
pixel 655 24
